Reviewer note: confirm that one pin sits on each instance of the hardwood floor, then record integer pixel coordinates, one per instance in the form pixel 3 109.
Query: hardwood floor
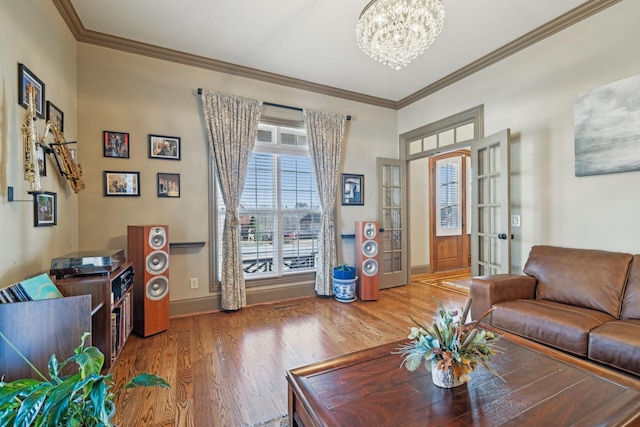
pixel 228 368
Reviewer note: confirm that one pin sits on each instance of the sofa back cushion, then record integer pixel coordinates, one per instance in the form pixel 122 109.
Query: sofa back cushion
pixel 631 301
pixel 582 277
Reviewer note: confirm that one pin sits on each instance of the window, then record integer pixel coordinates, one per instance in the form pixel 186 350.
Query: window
pixel 279 209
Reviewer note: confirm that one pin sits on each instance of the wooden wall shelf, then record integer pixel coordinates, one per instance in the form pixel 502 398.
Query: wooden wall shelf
pixel 176 245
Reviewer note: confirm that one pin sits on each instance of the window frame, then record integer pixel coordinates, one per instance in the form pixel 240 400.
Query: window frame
pixel 279 274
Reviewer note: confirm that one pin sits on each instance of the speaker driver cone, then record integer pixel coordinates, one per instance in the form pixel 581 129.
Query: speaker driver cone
pixel 157 237
pixel 157 288
pixel 370 248
pixel 157 262
pixel 370 267
pixel 370 231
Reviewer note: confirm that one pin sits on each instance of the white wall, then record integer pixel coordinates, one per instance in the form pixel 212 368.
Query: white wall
pixel 33 33
pixel 123 92
pixel 532 93
pixel 419 212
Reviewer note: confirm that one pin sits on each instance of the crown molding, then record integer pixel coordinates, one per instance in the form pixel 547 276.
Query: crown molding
pixel 83 35
pixel 574 16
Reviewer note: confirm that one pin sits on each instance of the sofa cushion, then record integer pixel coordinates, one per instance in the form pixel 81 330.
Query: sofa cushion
pixel 617 344
pixel 581 277
pixel 558 325
pixel 631 301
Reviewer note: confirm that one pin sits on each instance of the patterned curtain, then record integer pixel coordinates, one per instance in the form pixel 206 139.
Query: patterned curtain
pixel 232 124
pixel 325 133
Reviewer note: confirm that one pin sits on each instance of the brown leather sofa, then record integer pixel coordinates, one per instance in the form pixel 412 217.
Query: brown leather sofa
pixel 583 302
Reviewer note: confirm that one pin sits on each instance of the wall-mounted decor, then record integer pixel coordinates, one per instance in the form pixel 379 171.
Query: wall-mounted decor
pixel 164 147
pixel 27 78
pixel 607 128
pixel 168 185
pixel 121 183
pixel 116 144
pixel 352 189
pixel 55 115
pixel 45 209
pixel 41 157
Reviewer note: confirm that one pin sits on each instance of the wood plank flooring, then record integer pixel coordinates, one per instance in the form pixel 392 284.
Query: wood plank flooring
pixel 228 368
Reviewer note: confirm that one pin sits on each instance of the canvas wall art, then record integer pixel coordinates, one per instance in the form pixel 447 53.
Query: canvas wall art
pixel 607 128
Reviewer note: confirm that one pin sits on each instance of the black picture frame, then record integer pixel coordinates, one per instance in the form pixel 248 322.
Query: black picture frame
pixel 115 144
pixel 121 184
pixel 352 189
pixel 164 147
pixel 26 77
pixel 168 184
pixel 45 209
pixel 41 157
pixel 55 115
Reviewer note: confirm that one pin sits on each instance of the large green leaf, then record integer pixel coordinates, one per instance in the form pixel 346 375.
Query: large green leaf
pixel 32 404
pixel 146 380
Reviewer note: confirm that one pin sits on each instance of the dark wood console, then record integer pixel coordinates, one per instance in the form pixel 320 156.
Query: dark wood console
pixel 39 329
pixel 111 312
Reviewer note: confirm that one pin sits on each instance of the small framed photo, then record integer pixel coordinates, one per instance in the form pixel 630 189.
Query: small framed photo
pixel 352 189
pixel 41 157
pixel 55 115
pixel 164 147
pixel 121 183
pixel 45 209
pixel 168 185
pixel 116 144
pixel 27 79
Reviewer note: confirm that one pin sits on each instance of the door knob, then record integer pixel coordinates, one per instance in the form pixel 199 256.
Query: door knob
pixel 502 236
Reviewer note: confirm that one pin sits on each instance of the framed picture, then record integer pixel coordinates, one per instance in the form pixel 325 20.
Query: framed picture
pixel 121 183
pixel 352 189
pixel 168 185
pixel 45 209
pixel 164 147
pixel 116 144
pixel 25 79
pixel 42 161
pixel 55 115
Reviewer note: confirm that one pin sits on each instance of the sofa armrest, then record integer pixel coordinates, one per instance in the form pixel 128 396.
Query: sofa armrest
pixel 488 290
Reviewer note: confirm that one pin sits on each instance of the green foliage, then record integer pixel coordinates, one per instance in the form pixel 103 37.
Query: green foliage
pixel 343 267
pixel 82 399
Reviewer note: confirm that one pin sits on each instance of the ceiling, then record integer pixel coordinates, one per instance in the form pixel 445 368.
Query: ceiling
pixel 311 43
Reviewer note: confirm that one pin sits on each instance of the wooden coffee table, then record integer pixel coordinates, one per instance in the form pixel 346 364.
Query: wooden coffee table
pixel 543 387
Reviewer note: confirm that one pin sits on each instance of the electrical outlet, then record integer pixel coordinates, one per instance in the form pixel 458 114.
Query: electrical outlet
pixel 194 283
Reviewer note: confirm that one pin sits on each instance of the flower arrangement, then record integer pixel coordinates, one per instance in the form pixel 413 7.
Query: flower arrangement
pixel 450 344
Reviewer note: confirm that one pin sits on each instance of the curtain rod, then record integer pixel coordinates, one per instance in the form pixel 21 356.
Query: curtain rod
pixel 271 104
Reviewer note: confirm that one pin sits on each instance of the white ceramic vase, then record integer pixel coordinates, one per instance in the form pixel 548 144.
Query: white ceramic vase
pixel 444 378
pixel 344 290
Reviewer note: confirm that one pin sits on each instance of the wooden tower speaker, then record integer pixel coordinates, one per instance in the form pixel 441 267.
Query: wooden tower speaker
pixel 148 250
pixel 367 259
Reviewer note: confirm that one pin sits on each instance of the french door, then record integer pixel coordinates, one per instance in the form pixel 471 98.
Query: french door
pixel 392 202
pixel 491 225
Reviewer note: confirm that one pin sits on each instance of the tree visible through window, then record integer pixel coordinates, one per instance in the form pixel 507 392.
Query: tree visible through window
pixel 279 208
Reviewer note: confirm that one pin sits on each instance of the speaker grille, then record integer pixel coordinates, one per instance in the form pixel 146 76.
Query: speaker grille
pixel 370 248
pixel 157 237
pixel 370 230
pixel 157 262
pixel 370 267
pixel 157 288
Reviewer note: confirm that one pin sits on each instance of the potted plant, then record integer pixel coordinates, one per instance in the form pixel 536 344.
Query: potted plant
pixel 344 283
pixel 449 348
pixel 85 398
pixel 344 272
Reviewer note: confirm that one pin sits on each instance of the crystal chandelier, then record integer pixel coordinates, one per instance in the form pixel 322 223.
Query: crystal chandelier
pixel 394 32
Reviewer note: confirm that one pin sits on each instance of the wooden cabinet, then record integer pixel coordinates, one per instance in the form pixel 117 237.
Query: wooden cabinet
pixel 111 307
pixel 39 329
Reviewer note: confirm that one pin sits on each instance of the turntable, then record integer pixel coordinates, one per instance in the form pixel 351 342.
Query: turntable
pixel 87 263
